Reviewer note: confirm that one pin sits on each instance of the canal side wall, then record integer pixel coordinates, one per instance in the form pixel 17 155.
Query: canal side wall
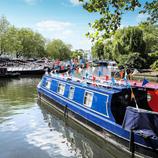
pixel 151 76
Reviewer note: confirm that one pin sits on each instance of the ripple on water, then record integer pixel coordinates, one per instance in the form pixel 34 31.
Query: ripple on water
pixel 31 130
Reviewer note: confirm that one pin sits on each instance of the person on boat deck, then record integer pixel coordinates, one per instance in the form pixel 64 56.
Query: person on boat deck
pixel 69 69
pixel 129 74
pixel 62 67
pixel 122 74
pixel 48 70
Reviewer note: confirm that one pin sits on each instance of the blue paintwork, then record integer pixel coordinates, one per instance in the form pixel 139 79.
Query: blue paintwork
pixel 54 85
pixel 78 95
pixel 100 111
pixel 100 100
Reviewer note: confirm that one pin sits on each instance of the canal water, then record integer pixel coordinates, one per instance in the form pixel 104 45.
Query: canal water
pixel 31 129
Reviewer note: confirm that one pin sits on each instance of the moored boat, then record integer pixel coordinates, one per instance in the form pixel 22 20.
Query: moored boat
pixel 152 93
pixel 6 74
pixel 151 90
pixel 108 108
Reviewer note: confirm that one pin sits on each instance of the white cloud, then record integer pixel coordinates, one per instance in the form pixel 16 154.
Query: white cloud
pixel 63 34
pixel 52 25
pixel 65 31
pixel 142 17
pixel 42 139
pixel 75 2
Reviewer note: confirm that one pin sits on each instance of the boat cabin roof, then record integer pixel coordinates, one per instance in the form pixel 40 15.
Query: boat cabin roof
pixel 96 86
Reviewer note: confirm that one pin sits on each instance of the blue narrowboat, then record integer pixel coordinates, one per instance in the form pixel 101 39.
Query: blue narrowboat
pixel 106 108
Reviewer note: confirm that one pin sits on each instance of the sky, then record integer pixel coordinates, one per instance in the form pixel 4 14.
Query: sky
pixel 57 19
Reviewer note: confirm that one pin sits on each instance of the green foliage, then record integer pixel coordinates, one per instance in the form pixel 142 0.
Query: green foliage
pixel 13 43
pixel 108 50
pixel 137 44
pixel 110 15
pixel 134 46
pixel 151 8
pixel 111 12
pixel 32 43
pixel 154 66
pixel 124 45
pixel 154 55
pixel 130 39
pixel 4 25
pixel 117 50
pixel 132 60
pixel 57 49
pixel 150 34
pixel 98 50
pixel 20 42
pixel 154 60
pixel 76 54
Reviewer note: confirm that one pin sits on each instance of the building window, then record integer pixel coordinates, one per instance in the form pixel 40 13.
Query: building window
pixel 48 84
pixel 61 88
pixel 71 92
pixel 88 97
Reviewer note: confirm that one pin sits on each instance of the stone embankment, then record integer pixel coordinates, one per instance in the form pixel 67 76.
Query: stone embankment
pixel 151 76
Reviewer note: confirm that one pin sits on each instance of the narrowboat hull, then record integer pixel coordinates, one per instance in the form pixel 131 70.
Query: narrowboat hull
pixel 108 129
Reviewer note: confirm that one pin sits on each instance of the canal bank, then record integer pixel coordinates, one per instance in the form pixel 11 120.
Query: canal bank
pixel 151 76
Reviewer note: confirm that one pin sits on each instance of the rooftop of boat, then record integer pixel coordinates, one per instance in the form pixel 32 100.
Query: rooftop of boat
pixel 107 87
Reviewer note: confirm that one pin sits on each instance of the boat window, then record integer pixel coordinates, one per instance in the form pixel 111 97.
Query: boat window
pixel 71 92
pixel 61 88
pixel 88 99
pixel 48 84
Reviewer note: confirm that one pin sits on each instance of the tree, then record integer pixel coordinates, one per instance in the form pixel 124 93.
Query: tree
pixel 133 60
pixel 117 51
pixel 131 40
pixel 108 50
pixel 57 49
pixel 127 40
pixel 111 12
pixel 77 53
pixel 98 50
pixel 13 44
pixel 4 25
pixel 39 45
pixel 155 65
pixel 150 34
pixel 152 10
pixel 127 46
pixel 33 44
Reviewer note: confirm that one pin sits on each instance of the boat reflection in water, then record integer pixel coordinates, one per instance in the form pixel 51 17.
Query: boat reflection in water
pixel 119 113
pixel 78 140
pixel 29 130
